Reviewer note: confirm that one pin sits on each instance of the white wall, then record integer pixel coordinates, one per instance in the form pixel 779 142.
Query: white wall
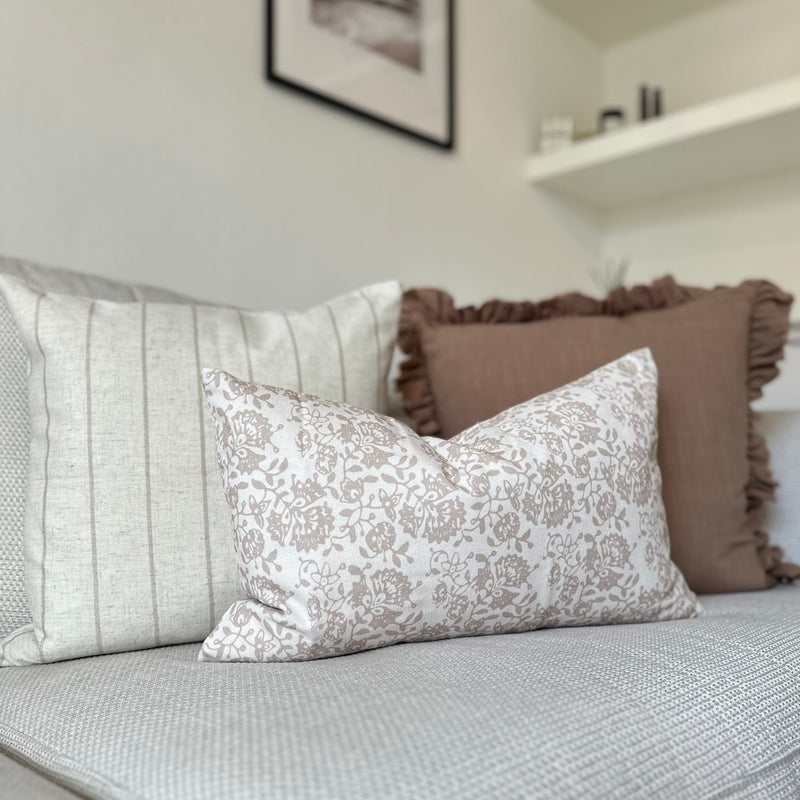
pixel 740 230
pixel 139 140
pixel 727 48
pixel 743 230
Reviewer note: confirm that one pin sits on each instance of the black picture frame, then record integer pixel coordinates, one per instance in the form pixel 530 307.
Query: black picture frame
pixel 447 143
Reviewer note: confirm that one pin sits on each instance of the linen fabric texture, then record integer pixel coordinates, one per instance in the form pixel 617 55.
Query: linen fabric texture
pixel 353 533
pixel 127 534
pixel 15 427
pixel 686 709
pixel 715 350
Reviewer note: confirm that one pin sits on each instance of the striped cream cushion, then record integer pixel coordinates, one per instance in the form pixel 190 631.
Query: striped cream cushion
pixel 127 534
pixel 15 429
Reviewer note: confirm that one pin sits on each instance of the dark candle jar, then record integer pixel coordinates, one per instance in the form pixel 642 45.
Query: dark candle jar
pixel 611 119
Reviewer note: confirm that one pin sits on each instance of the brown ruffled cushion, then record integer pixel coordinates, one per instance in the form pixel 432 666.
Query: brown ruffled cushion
pixel 461 368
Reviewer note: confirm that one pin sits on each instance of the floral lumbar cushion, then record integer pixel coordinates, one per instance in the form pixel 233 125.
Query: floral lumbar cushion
pixel 352 532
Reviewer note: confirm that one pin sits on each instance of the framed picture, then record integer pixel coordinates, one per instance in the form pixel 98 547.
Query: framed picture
pixel 389 61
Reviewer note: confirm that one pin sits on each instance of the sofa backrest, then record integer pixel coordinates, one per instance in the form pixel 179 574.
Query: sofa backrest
pixel 782 517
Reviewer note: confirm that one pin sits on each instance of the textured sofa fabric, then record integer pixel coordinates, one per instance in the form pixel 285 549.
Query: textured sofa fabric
pixel 685 710
pixel 15 429
pixel 18 781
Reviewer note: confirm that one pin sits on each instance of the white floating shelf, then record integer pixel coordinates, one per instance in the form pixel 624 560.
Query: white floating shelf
pixel 609 22
pixel 745 136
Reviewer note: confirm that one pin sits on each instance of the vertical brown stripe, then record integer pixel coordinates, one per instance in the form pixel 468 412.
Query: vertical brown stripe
pixel 148 498
pixel 341 352
pixel 46 481
pixel 382 379
pixel 246 350
pixel 212 616
pixel 296 352
pixel 90 456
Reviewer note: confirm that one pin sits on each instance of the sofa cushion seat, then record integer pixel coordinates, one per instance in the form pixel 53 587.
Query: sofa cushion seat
pixel 700 708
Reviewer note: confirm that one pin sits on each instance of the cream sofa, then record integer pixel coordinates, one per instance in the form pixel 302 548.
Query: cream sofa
pixel 703 708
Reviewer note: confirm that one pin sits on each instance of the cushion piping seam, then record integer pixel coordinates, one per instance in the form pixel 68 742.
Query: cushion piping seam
pixel 29 749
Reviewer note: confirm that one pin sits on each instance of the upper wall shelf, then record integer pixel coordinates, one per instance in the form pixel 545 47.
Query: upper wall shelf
pixel 609 22
pixel 747 135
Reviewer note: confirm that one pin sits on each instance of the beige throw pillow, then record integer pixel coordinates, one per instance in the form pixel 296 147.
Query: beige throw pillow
pixel 127 535
pixel 352 532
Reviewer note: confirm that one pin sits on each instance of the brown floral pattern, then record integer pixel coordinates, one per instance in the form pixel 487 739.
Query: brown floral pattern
pixel 352 532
